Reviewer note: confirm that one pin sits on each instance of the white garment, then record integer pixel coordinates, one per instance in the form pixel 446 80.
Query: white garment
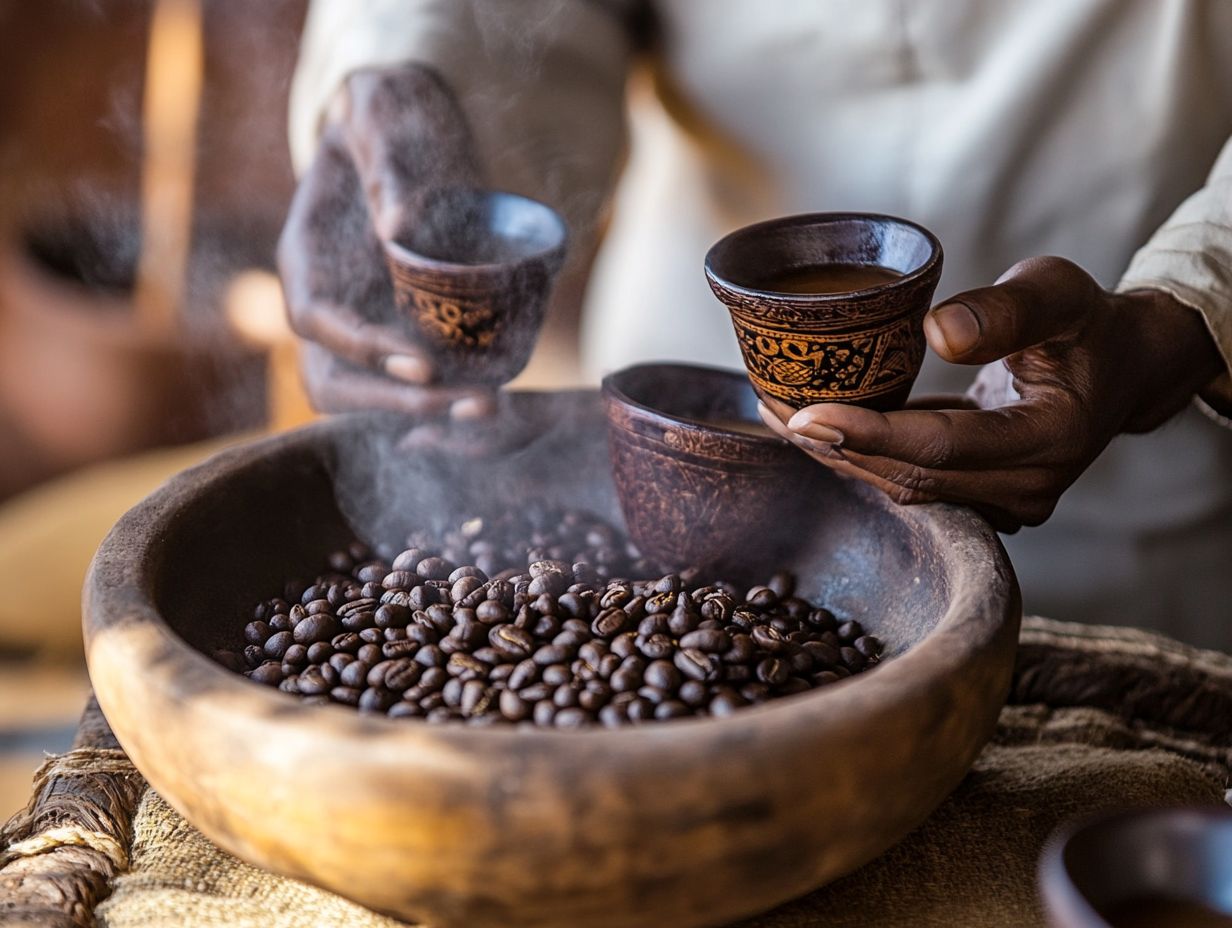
pixel 1010 128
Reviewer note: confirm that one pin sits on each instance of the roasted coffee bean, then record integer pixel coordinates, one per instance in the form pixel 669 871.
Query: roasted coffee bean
pixel 256 632
pixel 850 631
pixel 769 639
pixel 782 584
pixel 824 677
pixel 571 718
pixel 371 636
pixel 868 646
pixel 737 673
pixel 492 612
pixel 347 695
pixel 626 679
pixel 320 626
pixel 772 671
pixel 656 647
pixel 663 674
pixel 391 616
pixel 400 675
pixel 405 710
pixel 544 713
pixel 451 692
pixel 696 665
pixel 556 674
pixel 725 704
pixel 709 640
pixel 312 681
pixel 640 710
pixel 268 673
pixel 376 699
pixel 278 645
pixel 671 709
pixel 319 653
pixel 434 568
pixel 852 659
pixel 339 660
pixel 511 640
pixel 371 653
pixel 514 707
pixel 682 621
pixel 755 691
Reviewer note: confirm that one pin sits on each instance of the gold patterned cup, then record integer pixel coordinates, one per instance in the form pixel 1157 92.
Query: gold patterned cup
pixel 473 276
pixel 863 346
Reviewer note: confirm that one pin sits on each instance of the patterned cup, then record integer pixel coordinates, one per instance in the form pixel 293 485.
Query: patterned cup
pixel 863 346
pixel 473 276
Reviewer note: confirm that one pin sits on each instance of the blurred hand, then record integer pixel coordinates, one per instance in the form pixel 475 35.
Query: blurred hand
pixel 390 138
pixel 1076 365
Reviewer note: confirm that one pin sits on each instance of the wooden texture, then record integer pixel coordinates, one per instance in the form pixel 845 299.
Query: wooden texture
pixel 689 822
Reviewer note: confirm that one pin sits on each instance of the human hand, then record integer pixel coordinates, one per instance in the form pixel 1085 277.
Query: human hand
pixel 391 137
pixel 1069 366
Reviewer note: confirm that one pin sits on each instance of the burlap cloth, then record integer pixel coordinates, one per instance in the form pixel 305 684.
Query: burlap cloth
pixel 1099 718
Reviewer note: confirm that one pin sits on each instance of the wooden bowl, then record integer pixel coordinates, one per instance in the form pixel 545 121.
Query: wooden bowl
pixel 693 489
pixel 688 822
pixel 1145 867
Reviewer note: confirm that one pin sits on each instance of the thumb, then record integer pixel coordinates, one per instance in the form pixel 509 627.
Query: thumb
pixel 1035 300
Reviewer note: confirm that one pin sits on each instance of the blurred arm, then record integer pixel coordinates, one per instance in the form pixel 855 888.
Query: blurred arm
pixel 540 81
pixel 1190 258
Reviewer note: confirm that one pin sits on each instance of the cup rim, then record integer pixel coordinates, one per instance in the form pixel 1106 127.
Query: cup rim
pixel 614 390
pixel 553 255
pixel 820 219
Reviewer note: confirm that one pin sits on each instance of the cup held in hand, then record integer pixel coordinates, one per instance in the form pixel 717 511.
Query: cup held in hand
pixel 472 276
pixel 829 307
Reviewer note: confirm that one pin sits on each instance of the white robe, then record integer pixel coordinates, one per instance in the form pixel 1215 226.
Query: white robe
pixel 1010 128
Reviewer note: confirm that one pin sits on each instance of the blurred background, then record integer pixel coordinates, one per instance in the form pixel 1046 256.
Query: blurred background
pixel 144 175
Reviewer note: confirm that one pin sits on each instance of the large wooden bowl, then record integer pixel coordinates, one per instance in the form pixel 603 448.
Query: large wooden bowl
pixel 691 822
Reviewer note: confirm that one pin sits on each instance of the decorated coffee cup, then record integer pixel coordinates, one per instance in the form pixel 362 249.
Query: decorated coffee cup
pixel 829 307
pixel 472 276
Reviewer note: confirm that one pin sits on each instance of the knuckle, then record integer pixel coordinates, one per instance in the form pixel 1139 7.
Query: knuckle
pixel 912 478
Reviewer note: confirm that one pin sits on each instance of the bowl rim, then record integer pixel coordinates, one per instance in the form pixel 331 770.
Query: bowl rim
pixel 720 281
pixel 613 392
pixel 984 608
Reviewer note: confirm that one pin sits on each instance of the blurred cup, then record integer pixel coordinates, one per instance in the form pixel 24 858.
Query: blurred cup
pixel 829 307
pixel 473 278
pixel 1163 868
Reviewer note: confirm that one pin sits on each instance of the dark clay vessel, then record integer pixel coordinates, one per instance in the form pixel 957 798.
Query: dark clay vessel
pixel 694 493
pixel 863 347
pixel 473 278
pixel 1133 861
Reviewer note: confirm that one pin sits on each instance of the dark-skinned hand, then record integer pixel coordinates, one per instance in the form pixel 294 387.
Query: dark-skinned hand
pixel 1070 366
pixel 390 138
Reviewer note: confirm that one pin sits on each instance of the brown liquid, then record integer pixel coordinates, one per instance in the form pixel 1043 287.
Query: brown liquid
pixel 1159 912
pixel 829 278
pixel 743 426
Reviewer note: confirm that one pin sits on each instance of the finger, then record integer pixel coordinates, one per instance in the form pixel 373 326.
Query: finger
pixel 943 401
pixel 957 439
pixel 1008 498
pixel 1035 300
pixel 333 274
pixel 334 386
pixel 407 137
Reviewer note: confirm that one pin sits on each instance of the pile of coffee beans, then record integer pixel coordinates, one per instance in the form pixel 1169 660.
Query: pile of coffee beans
pixel 558 642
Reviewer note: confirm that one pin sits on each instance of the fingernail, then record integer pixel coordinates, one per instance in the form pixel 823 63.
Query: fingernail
pixel 472 407
pixel 957 326
pixel 803 423
pixel 408 368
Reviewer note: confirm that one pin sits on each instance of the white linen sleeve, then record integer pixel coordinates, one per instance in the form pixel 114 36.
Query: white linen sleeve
pixel 540 81
pixel 1190 258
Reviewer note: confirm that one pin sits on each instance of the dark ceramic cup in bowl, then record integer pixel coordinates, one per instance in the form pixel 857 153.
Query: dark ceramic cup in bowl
pixel 701 482
pixel 472 276
pixel 861 346
pixel 1158 868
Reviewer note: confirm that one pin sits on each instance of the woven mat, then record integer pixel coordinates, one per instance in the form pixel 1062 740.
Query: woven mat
pixel 1099 718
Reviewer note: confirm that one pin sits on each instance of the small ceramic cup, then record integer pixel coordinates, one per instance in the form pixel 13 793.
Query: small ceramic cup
pixel 863 346
pixel 699 483
pixel 473 276
pixel 1156 867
